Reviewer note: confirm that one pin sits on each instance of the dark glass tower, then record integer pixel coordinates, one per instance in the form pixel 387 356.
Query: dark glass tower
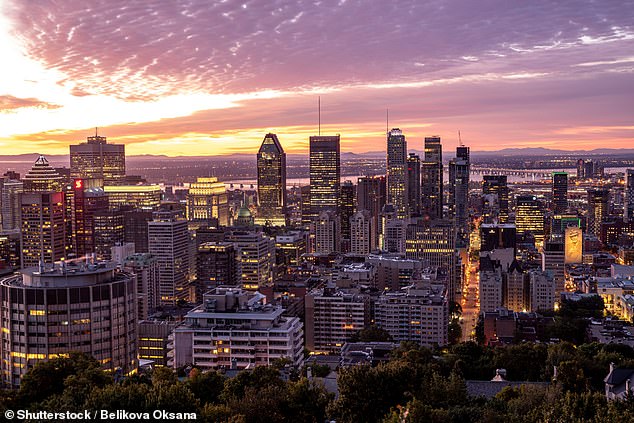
pixel 432 189
pixel 325 174
pixel 397 172
pixel 560 192
pixel 598 203
pixel 413 183
pixel 459 169
pixel 496 185
pixel 271 182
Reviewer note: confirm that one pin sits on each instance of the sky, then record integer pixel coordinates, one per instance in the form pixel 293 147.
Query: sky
pixel 203 77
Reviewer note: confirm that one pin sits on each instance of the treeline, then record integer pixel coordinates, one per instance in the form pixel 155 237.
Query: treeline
pixel 415 385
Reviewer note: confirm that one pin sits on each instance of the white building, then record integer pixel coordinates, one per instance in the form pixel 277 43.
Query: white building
pixel 328 233
pixel 235 328
pixel 415 314
pixel 542 286
pixel 490 285
pixel 362 233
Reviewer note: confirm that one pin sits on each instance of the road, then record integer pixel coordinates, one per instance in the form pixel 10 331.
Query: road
pixel 470 306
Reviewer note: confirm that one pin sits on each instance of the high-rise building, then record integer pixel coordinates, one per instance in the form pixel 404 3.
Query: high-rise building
pixel 10 192
pixel 397 184
pixel 9 251
pixel 459 170
pixel 560 192
pixel 328 233
pixel 325 174
pixel 88 200
pixel 141 197
pixel 43 216
pixel 271 163
pixel 216 264
pixel 553 261
pixel 490 284
pixel 332 316
pixel 290 247
pixel 168 241
pixel 598 208
pixel 543 291
pixel 371 196
pixel 207 200
pixel 432 178
pixel 413 184
pixel 304 193
pixel 414 314
pixel 495 185
pixel 529 217
pixel 346 210
pixel 135 227
pixel 108 232
pixel 516 289
pixel 256 257
pixel 96 159
pixel 69 307
pixel 235 329
pixel 362 234
pixel 628 206
pixel 147 270
pixel 497 236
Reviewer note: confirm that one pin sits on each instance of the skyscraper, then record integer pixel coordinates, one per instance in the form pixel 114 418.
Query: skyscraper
pixel 598 203
pixel 371 196
pixel 560 192
pixel 88 201
pixel 495 185
pixel 96 159
pixel 529 217
pixel 168 240
pixel 43 214
pixel 325 174
pixel 271 162
pixel 459 169
pixel 397 172
pixel 432 180
pixel 328 233
pixel 256 257
pixel 346 210
pixel 10 192
pixel 629 195
pixel 413 183
pixel 207 200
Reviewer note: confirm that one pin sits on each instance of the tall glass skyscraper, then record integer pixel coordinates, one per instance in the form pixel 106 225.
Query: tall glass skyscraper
pixel 271 182
pixel 397 172
pixel 96 159
pixel 432 189
pixel 560 192
pixel 325 174
pixel 459 169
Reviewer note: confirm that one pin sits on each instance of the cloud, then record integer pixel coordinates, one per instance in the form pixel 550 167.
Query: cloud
pixel 9 103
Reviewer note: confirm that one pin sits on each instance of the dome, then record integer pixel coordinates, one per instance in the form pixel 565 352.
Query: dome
pixel 244 212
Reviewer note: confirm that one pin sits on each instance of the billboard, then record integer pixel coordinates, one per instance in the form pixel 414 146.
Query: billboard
pixel 574 245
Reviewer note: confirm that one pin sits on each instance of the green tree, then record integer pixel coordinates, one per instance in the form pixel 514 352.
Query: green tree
pixel 371 333
pixel 207 386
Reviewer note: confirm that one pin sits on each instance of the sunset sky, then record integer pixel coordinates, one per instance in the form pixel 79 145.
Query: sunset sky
pixel 204 77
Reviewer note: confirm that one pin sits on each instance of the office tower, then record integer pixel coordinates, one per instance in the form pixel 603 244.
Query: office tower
pixel 490 284
pixel 434 243
pixel 271 163
pixel 154 338
pixel 290 247
pixel 496 185
pixel 147 270
pixel 332 316
pixel 256 257
pixel 393 231
pixel 553 261
pixel 9 251
pixel 96 159
pixel 543 292
pixel 560 192
pixel 168 241
pixel 414 315
pixel 304 205
pixel 43 216
pixel 328 233
pixel 88 200
pixel 216 264
pixel 142 197
pixel 529 217
pixel 10 192
pixel 394 273
pixel 459 170
pixel 371 196
pixel 69 307
pixel 397 184
pixel 413 184
pixel 346 210
pixel 135 227
pixel 217 334
pixel 581 174
pixel 432 178
pixel 108 232
pixel 628 208
pixel 515 294
pixel 362 234
pixel 325 174
pixel 207 200
pixel 598 208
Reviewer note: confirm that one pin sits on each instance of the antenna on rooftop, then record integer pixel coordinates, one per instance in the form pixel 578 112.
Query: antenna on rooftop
pixel 95 131
pixel 319 115
pixel 460 139
pixel 387 121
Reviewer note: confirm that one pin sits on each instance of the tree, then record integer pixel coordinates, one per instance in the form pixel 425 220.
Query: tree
pixel 207 386
pixel 454 332
pixel 371 333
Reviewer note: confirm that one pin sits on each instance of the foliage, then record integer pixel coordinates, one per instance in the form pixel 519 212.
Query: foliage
pixel 371 333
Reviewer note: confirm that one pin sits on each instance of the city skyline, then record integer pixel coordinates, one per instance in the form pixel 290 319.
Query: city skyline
pixel 200 79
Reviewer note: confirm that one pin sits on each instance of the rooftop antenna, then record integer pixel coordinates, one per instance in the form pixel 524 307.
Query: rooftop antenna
pixel 460 139
pixel 95 131
pixel 319 115
pixel 387 120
